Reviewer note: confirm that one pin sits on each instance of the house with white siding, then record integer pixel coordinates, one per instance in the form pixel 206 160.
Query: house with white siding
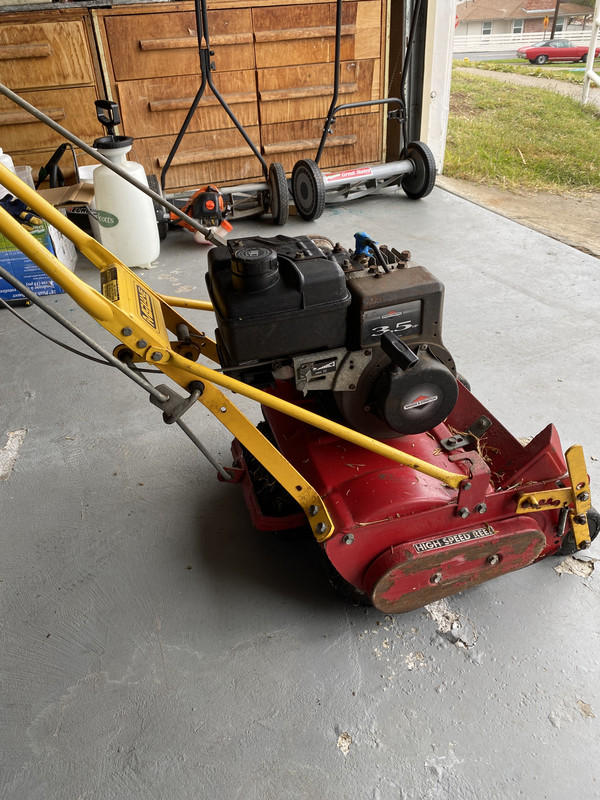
pixel 494 23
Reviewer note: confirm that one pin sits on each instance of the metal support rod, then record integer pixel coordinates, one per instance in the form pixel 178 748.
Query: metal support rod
pixel 215 91
pixel 181 134
pixel 334 108
pixel 207 455
pixel 186 302
pixel 206 232
pixel 206 78
pixel 336 80
pixel 405 67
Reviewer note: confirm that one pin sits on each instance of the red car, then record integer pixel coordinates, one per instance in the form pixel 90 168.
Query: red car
pixel 555 50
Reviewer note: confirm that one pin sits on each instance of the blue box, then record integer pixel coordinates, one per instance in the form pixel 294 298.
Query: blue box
pixel 22 268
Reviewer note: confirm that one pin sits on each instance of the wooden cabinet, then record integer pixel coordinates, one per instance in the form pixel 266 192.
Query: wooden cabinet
pixel 50 62
pixel 152 42
pixel 273 63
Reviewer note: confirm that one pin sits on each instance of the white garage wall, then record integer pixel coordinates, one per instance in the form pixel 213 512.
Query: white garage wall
pixel 437 76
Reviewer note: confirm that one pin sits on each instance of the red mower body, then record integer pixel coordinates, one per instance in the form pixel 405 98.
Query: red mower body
pixel 405 539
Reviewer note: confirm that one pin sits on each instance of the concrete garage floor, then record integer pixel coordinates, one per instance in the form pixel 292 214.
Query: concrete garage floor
pixel 153 645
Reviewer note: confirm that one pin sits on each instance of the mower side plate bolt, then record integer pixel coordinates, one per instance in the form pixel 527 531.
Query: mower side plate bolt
pixel 451 440
pixel 481 508
pixel 585 544
pixel 581 519
pixel 583 496
pixel 156 356
pixel 313 511
pixel 348 538
pixel 321 527
pixel 465 486
pixel 436 578
pixel 493 559
pixel 142 343
pixel 463 512
pixel 126 331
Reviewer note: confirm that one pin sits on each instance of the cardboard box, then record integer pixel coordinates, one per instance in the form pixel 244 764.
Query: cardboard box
pixel 22 268
pixel 77 202
pixel 80 194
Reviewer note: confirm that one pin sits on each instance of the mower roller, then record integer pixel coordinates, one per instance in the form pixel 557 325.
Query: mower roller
pixel 371 440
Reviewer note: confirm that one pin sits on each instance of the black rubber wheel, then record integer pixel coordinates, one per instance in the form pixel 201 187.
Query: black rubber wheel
pixel 162 215
pixel 568 546
pixel 463 380
pixel 308 189
pixel 279 204
pixel 421 181
pixel 346 590
pixel 541 59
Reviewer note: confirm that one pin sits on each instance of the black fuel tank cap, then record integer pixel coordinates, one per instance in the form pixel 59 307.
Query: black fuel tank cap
pixel 254 268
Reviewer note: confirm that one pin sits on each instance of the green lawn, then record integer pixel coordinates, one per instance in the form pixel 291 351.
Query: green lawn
pixel 515 137
pixel 571 73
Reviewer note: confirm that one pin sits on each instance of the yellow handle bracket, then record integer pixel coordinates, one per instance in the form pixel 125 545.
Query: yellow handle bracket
pixel 576 498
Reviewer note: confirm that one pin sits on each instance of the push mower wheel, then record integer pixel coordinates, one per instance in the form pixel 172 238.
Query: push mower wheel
pixel 308 189
pixel 162 215
pixel 422 180
pixel 279 205
pixel 568 546
pixel 343 587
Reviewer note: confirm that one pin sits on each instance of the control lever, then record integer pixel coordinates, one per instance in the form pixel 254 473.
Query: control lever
pixel 398 351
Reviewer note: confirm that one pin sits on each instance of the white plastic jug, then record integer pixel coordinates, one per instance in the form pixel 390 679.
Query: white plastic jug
pixel 7 162
pixel 126 217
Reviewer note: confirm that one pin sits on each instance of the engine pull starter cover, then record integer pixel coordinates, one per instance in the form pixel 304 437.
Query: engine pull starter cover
pixel 418 398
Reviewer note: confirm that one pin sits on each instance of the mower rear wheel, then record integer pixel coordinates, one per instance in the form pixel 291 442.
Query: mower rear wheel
pixel 162 215
pixel 421 181
pixel 345 589
pixel 279 205
pixel 568 546
pixel 308 189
